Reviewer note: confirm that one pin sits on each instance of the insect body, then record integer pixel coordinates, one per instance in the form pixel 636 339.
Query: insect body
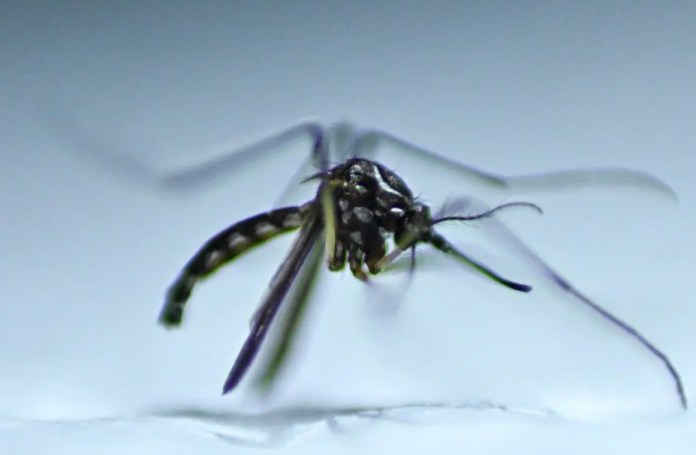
pixel 362 208
pixel 362 204
pixel 369 201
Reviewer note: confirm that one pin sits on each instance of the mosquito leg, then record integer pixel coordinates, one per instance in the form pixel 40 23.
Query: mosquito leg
pixel 278 289
pixel 374 257
pixel 298 304
pixel 368 142
pixel 355 262
pixel 222 248
pixel 386 259
pixel 412 263
pixel 339 258
pixel 443 245
pixel 501 233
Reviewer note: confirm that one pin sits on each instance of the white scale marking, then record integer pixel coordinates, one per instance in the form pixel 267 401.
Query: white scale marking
pixel 356 236
pixel 264 228
pixel 382 184
pixel 213 259
pixel 346 216
pixel 363 214
pixel 236 241
pixel 292 219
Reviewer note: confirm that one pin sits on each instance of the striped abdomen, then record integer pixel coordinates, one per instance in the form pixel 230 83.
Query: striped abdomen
pixel 224 247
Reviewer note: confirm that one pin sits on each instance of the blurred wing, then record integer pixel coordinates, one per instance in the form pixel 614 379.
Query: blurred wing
pixel 229 163
pixel 133 168
pixel 279 287
pixel 369 143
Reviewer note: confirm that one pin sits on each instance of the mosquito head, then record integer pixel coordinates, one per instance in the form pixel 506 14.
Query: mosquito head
pixel 415 226
pixel 417 222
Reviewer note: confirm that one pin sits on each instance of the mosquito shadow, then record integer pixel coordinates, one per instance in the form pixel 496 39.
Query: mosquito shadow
pixel 274 428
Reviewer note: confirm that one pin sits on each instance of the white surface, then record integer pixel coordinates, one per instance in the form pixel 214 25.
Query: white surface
pixel 409 431
pixel 87 254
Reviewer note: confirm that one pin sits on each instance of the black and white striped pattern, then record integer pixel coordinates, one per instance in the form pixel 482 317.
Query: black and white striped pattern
pixel 224 247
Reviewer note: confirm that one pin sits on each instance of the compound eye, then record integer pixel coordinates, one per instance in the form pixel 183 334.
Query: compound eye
pixel 405 236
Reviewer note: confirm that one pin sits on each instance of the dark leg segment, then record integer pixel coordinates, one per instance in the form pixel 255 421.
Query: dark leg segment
pixel 279 287
pixel 443 245
pixel 502 233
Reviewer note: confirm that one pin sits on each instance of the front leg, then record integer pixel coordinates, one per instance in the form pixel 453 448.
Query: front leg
pixel 355 261
pixel 338 260
pixel 374 258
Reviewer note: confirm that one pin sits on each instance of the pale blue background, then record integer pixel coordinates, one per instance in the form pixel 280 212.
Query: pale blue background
pixel 511 87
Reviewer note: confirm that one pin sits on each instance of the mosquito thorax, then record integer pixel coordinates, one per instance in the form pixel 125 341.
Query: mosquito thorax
pixel 368 193
pixel 372 203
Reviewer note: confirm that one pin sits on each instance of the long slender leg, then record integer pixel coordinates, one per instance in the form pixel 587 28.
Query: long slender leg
pixel 297 303
pixel 443 245
pixel 280 285
pixel 501 233
pixel 356 262
pixel 340 255
pixel 304 263
pixel 328 209
pixel 374 256
pixel 368 143
pixel 221 249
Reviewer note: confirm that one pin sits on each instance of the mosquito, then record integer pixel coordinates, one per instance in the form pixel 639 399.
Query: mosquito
pixel 362 208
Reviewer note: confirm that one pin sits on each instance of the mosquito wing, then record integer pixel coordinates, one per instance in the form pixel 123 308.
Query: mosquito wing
pixel 278 289
pixel 370 143
pixel 229 163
